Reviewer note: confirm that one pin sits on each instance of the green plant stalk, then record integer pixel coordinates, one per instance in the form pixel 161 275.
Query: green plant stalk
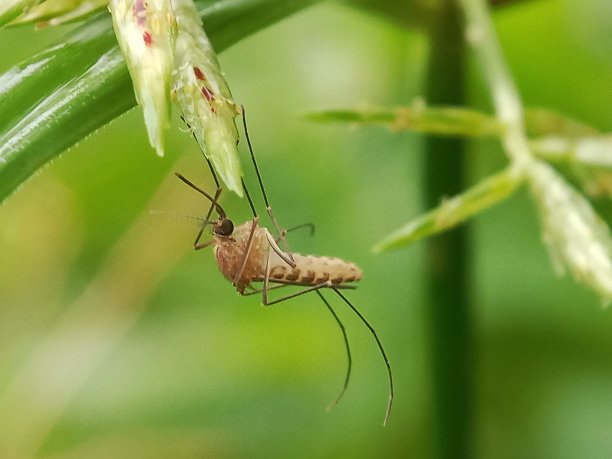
pixel 448 260
pixel 481 36
pixel 33 131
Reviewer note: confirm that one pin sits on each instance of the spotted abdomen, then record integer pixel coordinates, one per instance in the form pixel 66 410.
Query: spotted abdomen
pixel 313 270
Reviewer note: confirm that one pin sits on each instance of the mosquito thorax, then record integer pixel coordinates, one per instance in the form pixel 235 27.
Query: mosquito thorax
pixel 225 227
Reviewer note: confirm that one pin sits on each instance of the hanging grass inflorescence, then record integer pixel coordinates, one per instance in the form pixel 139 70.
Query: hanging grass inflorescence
pixel 146 32
pixel 204 96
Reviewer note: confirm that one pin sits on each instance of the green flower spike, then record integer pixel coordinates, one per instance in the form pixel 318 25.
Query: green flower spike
pixel 146 32
pixel 204 96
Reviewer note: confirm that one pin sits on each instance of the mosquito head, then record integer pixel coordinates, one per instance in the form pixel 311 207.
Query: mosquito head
pixel 224 227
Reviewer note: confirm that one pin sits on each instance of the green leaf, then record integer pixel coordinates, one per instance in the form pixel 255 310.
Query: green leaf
pixel 419 118
pixel 56 98
pixel 455 210
pixel 441 120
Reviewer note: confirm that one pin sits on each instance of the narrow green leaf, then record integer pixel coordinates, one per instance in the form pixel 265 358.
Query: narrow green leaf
pixel 40 136
pixel 419 118
pixel 455 210
pixel 28 83
pixel 442 120
pixel 89 85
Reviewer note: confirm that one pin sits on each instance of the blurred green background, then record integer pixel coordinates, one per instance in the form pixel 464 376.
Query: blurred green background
pixel 191 369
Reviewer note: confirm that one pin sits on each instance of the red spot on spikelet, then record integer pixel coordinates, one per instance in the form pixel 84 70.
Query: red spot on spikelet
pixel 198 74
pixel 207 93
pixel 148 40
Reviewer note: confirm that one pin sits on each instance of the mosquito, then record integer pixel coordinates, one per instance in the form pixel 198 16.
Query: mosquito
pixel 248 254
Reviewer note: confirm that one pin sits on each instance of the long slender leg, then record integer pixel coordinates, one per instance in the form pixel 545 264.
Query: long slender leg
pixel 255 291
pixel 380 347
pixel 278 251
pixel 315 288
pixel 203 245
pixel 263 191
pixel 248 196
pixel 303 225
pixel 348 351
pixel 212 205
pixel 279 231
pixel 217 206
pixel 264 292
pixel 286 282
pixel 212 172
pixel 196 243
pixel 247 251
pixel 293 295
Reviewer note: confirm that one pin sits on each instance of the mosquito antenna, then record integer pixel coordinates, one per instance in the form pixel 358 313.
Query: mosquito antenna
pixel 380 346
pixel 183 216
pixel 348 352
pixel 248 196
pixel 246 134
pixel 220 210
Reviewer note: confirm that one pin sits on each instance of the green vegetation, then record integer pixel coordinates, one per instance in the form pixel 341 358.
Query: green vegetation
pixel 118 339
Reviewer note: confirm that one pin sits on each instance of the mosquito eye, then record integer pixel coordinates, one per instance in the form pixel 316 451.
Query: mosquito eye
pixel 225 228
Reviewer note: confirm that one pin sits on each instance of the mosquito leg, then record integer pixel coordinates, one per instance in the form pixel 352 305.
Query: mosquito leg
pixel 247 251
pixel 278 250
pixel 348 351
pixel 212 172
pixel 263 191
pixel 281 236
pixel 212 205
pixel 248 196
pixel 264 290
pixel 266 302
pixel 303 225
pixel 380 346
pixel 255 291
pixel 196 243
pixel 203 245
pixel 217 206
pixel 286 282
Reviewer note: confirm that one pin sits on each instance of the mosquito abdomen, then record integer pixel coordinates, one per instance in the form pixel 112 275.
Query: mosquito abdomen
pixel 313 270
